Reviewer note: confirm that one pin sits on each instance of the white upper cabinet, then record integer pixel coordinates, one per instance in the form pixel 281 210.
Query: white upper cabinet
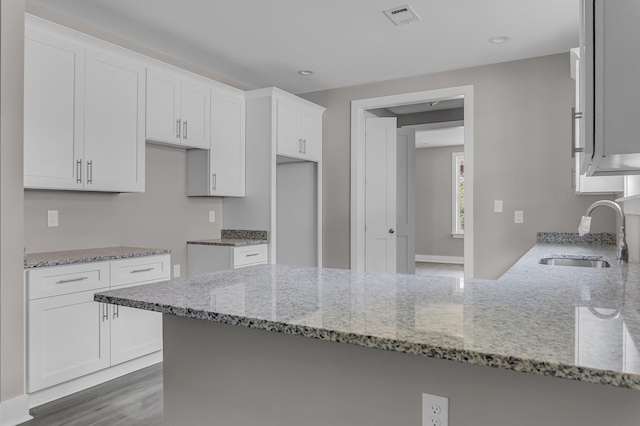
pixel 586 185
pixel 178 111
pixel 311 133
pixel 84 118
pixel 114 124
pixel 163 107
pixel 610 56
pixel 196 110
pixel 298 130
pixel 227 155
pixel 220 171
pixel 53 112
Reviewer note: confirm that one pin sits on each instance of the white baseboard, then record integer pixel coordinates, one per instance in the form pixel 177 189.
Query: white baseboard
pixel 43 396
pixel 14 411
pixel 440 259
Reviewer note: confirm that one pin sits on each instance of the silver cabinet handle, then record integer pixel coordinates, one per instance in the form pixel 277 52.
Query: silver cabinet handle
pixel 72 280
pixel 105 312
pixel 78 171
pixel 391 231
pixel 300 145
pixel 142 270
pixel 89 171
pixel 251 255
pixel 178 128
pixel 574 116
pixel 304 146
pixel 116 311
pixel 214 181
pixel 185 130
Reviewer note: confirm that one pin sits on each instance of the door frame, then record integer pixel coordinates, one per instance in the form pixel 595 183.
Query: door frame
pixel 358 108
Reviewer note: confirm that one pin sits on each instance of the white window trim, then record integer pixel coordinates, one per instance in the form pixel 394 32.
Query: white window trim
pixel 455 204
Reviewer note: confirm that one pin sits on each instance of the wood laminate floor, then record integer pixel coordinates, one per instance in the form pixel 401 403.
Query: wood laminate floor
pixel 440 269
pixel 134 399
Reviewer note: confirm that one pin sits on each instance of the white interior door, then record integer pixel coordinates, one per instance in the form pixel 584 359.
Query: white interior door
pixel 406 202
pixel 380 195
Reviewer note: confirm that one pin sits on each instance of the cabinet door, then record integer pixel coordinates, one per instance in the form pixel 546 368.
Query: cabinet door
pixel 53 112
pixel 163 107
pixel 288 139
pixel 587 185
pixel 134 333
pixel 114 124
pixel 227 154
pixel 311 133
pixel 67 337
pixel 195 114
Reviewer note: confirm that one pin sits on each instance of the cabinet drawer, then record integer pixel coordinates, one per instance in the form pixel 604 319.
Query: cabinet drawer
pixel 249 255
pixel 58 280
pixel 140 270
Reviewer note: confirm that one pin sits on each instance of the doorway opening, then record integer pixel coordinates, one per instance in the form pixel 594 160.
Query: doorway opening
pixel 359 112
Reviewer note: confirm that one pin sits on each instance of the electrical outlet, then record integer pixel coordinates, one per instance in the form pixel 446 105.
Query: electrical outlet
pixel 212 215
pixel 518 216
pixel 435 410
pixel 176 271
pixel 497 206
pixel 52 218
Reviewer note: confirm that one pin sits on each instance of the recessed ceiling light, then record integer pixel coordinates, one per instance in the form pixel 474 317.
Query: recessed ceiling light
pixel 499 39
pixel 306 72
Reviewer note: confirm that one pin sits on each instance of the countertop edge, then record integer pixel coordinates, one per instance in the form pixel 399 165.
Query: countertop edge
pixel 233 243
pixel 566 371
pixel 89 259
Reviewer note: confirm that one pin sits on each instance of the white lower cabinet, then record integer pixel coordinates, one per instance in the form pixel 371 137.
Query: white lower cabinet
pixel 205 258
pixel 67 338
pixel 69 335
pixel 134 333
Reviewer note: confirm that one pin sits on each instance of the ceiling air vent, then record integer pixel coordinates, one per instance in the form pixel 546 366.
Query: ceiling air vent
pixel 402 15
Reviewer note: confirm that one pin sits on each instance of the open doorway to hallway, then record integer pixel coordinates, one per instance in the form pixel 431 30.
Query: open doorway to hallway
pixel 443 176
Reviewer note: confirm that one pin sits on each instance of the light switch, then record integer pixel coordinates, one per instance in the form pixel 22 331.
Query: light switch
pixel 212 215
pixel 518 216
pixel 497 206
pixel 52 218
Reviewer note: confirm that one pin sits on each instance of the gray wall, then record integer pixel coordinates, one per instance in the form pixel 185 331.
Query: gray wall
pixel 520 141
pixel 11 223
pixel 433 203
pixel 161 217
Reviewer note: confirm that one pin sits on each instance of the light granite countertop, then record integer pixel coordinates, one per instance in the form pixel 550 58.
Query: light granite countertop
pixel 231 242
pixel 70 257
pixel 236 238
pixel 576 323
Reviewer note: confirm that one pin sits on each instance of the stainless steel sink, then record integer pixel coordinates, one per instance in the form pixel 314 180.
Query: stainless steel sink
pixel 583 262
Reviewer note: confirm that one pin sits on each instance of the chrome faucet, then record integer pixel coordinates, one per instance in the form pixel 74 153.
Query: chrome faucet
pixel 622 254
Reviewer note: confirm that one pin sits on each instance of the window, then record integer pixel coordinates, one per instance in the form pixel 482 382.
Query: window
pixel 458 195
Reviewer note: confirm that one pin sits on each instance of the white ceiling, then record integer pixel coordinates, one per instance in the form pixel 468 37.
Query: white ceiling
pixel 264 43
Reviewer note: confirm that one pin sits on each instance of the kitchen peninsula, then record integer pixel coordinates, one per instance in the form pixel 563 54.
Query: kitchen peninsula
pixel 266 344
